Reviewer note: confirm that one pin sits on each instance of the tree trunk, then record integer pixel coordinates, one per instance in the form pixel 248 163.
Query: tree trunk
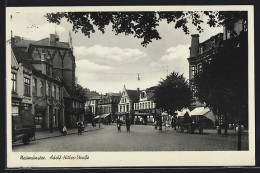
pixel 239 137
pixel 226 124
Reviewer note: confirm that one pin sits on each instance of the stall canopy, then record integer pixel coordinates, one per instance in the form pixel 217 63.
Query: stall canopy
pixel 181 113
pixel 103 115
pixel 204 111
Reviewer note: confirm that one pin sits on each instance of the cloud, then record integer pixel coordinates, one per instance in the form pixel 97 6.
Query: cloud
pixel 85 66
pixel 108 55
pixel 174 59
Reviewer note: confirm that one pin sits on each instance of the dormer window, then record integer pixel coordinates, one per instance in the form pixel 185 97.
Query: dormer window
pixel 43 57
pixel 143 95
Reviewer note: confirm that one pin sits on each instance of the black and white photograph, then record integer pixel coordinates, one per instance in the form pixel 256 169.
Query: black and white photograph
pixel 130 86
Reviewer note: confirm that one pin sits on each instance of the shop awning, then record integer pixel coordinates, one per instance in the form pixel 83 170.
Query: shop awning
pixel 181 113
pixel 140 114
pixel 199 111
pixel 104 115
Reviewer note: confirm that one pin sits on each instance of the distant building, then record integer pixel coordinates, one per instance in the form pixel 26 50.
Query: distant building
pixel 108 107
pixel 126 104
pixel 92 105
pixel 144 109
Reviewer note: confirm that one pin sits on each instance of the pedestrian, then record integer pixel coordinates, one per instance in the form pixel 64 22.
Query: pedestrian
pixel 127 123
pixel 64 129
pixel 60 127
pixel 79 125
pixel 119 125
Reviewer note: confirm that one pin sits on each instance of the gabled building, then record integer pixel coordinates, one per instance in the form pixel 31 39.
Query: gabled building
pixel 126 104
pixel 55 60
pixel 144 109
pixel 43 93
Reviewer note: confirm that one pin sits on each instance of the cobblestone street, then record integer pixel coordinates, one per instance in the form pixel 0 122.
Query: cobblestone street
pixel 141 138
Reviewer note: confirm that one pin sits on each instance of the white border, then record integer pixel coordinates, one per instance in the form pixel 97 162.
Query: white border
pixel 115 159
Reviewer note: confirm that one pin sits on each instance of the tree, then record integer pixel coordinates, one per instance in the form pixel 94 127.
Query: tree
pixel 81 92
pixel 173 93
pixel 223 83
pixel 143 24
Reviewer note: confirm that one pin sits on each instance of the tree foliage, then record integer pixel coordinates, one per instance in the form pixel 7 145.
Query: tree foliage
pixel 81 92
pixel 173 93
pixel 223 83
pixel 143 25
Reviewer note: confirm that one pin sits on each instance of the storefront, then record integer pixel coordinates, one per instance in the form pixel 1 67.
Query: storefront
pixel 40 117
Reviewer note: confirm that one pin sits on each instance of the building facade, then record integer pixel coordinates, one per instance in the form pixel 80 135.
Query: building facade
pixel 54 65
pixel 126 104
pixel 108 107
pixel 144 109
pixel 203 52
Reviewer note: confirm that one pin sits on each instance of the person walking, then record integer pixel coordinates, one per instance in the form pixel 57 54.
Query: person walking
pixel 127 123
pixel 119 125
pixel 64 129
pixel 79 125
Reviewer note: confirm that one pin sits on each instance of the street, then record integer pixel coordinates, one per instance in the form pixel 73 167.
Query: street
pixel 141 138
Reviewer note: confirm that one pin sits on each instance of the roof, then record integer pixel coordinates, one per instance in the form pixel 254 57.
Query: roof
pixel 24 43
pixel 133 95
pixel 46 42
pixel 150 94
pixel 95 98
pixel 199 111
pixel 22 57
pixel 181 113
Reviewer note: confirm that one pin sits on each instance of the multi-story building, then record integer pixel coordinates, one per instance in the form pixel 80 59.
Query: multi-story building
pixel 22 103
pixel 108 106
pixel 92 106
pixel 144 109
pixel 203 52
pixel 55 60
pixel 126 104
pixel 42 92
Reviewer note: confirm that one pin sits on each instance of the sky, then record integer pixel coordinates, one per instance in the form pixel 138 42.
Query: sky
pixel 106 62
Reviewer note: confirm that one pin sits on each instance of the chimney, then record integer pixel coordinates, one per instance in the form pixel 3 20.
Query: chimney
pixel 138 89
pixel 194 49
pixel 52 39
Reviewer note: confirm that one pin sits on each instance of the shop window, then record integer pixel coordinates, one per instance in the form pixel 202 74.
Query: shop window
pixel 14 83
pixel 26 86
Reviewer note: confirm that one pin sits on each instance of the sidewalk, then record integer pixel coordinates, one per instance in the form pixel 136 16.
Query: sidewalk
pixel 56 133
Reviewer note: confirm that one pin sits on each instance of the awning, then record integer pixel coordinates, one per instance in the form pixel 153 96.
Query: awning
pixel 199 111
pixel 181 113
pixel 102 116
pixel 140 114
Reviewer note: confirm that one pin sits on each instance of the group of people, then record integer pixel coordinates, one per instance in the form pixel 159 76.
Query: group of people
pixel 127 123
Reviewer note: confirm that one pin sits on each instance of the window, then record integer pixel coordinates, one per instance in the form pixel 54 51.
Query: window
pixel 200 68
pixel 26 86
pixel 143 95
pixel 145 105
pixel 59 94
pixel 14 87
pixel 48 71
pixel 193 70
pixel 48 89
pixel 201 50
pixel 149 103
pixel 34 86
pixel 54 92
pixel 41 88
